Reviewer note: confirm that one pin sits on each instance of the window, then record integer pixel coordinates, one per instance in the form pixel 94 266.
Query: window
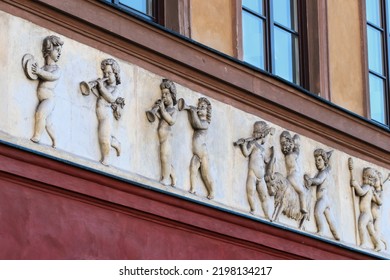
pixel 378 27
pixel 147 9
pixel 271 37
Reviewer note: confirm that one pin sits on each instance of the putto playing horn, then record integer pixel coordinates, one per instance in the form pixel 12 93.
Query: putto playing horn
pixel 109 104
pixel 88 87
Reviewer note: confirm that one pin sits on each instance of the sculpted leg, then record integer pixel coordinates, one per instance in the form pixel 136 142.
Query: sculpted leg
pixel 50 130
pixel 165 157
pixel 173 177
pixel 362 227
pixel 319 211
pixel 299 188
pixel 104 131
pixel 194 167
pixel 206 176
pixel 116 145
pixel 262 192
pixel 331 223
pixel 250 192
pixel 44 109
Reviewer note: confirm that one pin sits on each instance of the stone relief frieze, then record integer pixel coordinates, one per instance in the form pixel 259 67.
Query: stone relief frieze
pixel 109 105
pixel 282 177
pixel 47 76
pixel 165 111
pixel 200 118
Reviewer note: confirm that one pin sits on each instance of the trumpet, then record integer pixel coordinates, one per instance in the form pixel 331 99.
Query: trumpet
pixel 151 114
pixel 181 105
pixel 88 87
pixel 243 140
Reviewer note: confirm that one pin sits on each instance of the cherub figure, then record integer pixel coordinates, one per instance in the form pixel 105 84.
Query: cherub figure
pixel 166 112
pixel 376 206
pixel 253 149
pixel 322 210
pixel 368 195
pixel 48 76
pixel 290 148
pixel 200 118
pixel 108 105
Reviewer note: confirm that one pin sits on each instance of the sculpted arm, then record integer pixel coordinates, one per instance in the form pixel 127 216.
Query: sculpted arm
pixel 196 122
pixel 169 118
pixel 359 190
pixel 377 198
pixel 46 75
pixel 318 179
pixel 246 148
pixel 109 97
pixel 297 143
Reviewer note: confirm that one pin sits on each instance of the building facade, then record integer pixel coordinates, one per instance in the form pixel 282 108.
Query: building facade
pixel 190 129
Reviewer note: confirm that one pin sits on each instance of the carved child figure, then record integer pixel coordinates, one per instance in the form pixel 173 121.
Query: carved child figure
pixel 253 148
pixel 166 112
pixel 291 148
pixel 48 76
pixel 322 210
pixel 107 106
pixel 200 118
pixel 368 195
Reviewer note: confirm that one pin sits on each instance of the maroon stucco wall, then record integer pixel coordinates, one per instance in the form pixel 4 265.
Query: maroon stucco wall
pixel 52 210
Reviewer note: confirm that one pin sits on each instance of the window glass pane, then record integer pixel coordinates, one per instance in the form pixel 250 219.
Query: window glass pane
pixel 377 99
pixel 284 12
pixel 375 56
pixel 373 13
pixel 254 5
pixel 286 55
pixel 144 6
pixel 253 39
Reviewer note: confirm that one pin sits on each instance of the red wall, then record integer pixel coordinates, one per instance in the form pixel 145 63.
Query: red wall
pixel 52 210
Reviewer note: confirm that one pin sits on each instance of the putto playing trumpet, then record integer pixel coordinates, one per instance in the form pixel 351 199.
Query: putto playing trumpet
pixel 164 109
pixel 108 105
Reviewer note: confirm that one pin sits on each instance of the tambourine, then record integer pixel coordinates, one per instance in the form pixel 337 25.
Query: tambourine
pixel 27 62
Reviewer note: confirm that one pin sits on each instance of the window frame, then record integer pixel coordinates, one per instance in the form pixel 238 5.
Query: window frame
pixel 300 33
pixel 385 29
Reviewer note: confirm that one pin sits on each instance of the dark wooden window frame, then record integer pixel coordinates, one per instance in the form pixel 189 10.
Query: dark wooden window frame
pixel 314 50
pixel 386 60
pixel 269 41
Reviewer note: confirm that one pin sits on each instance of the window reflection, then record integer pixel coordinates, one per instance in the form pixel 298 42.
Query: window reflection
pixel 254 5
pixel 253 40
pixel 377 99
pixel 284 12
pixel 285 55
pixel 270 36
pixel 373 12
pixel 378 66
pixel 143 6
pixel 375 57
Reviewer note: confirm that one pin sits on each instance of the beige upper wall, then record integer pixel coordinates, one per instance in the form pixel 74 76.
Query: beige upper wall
pixel 211 24
pixel 345 55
